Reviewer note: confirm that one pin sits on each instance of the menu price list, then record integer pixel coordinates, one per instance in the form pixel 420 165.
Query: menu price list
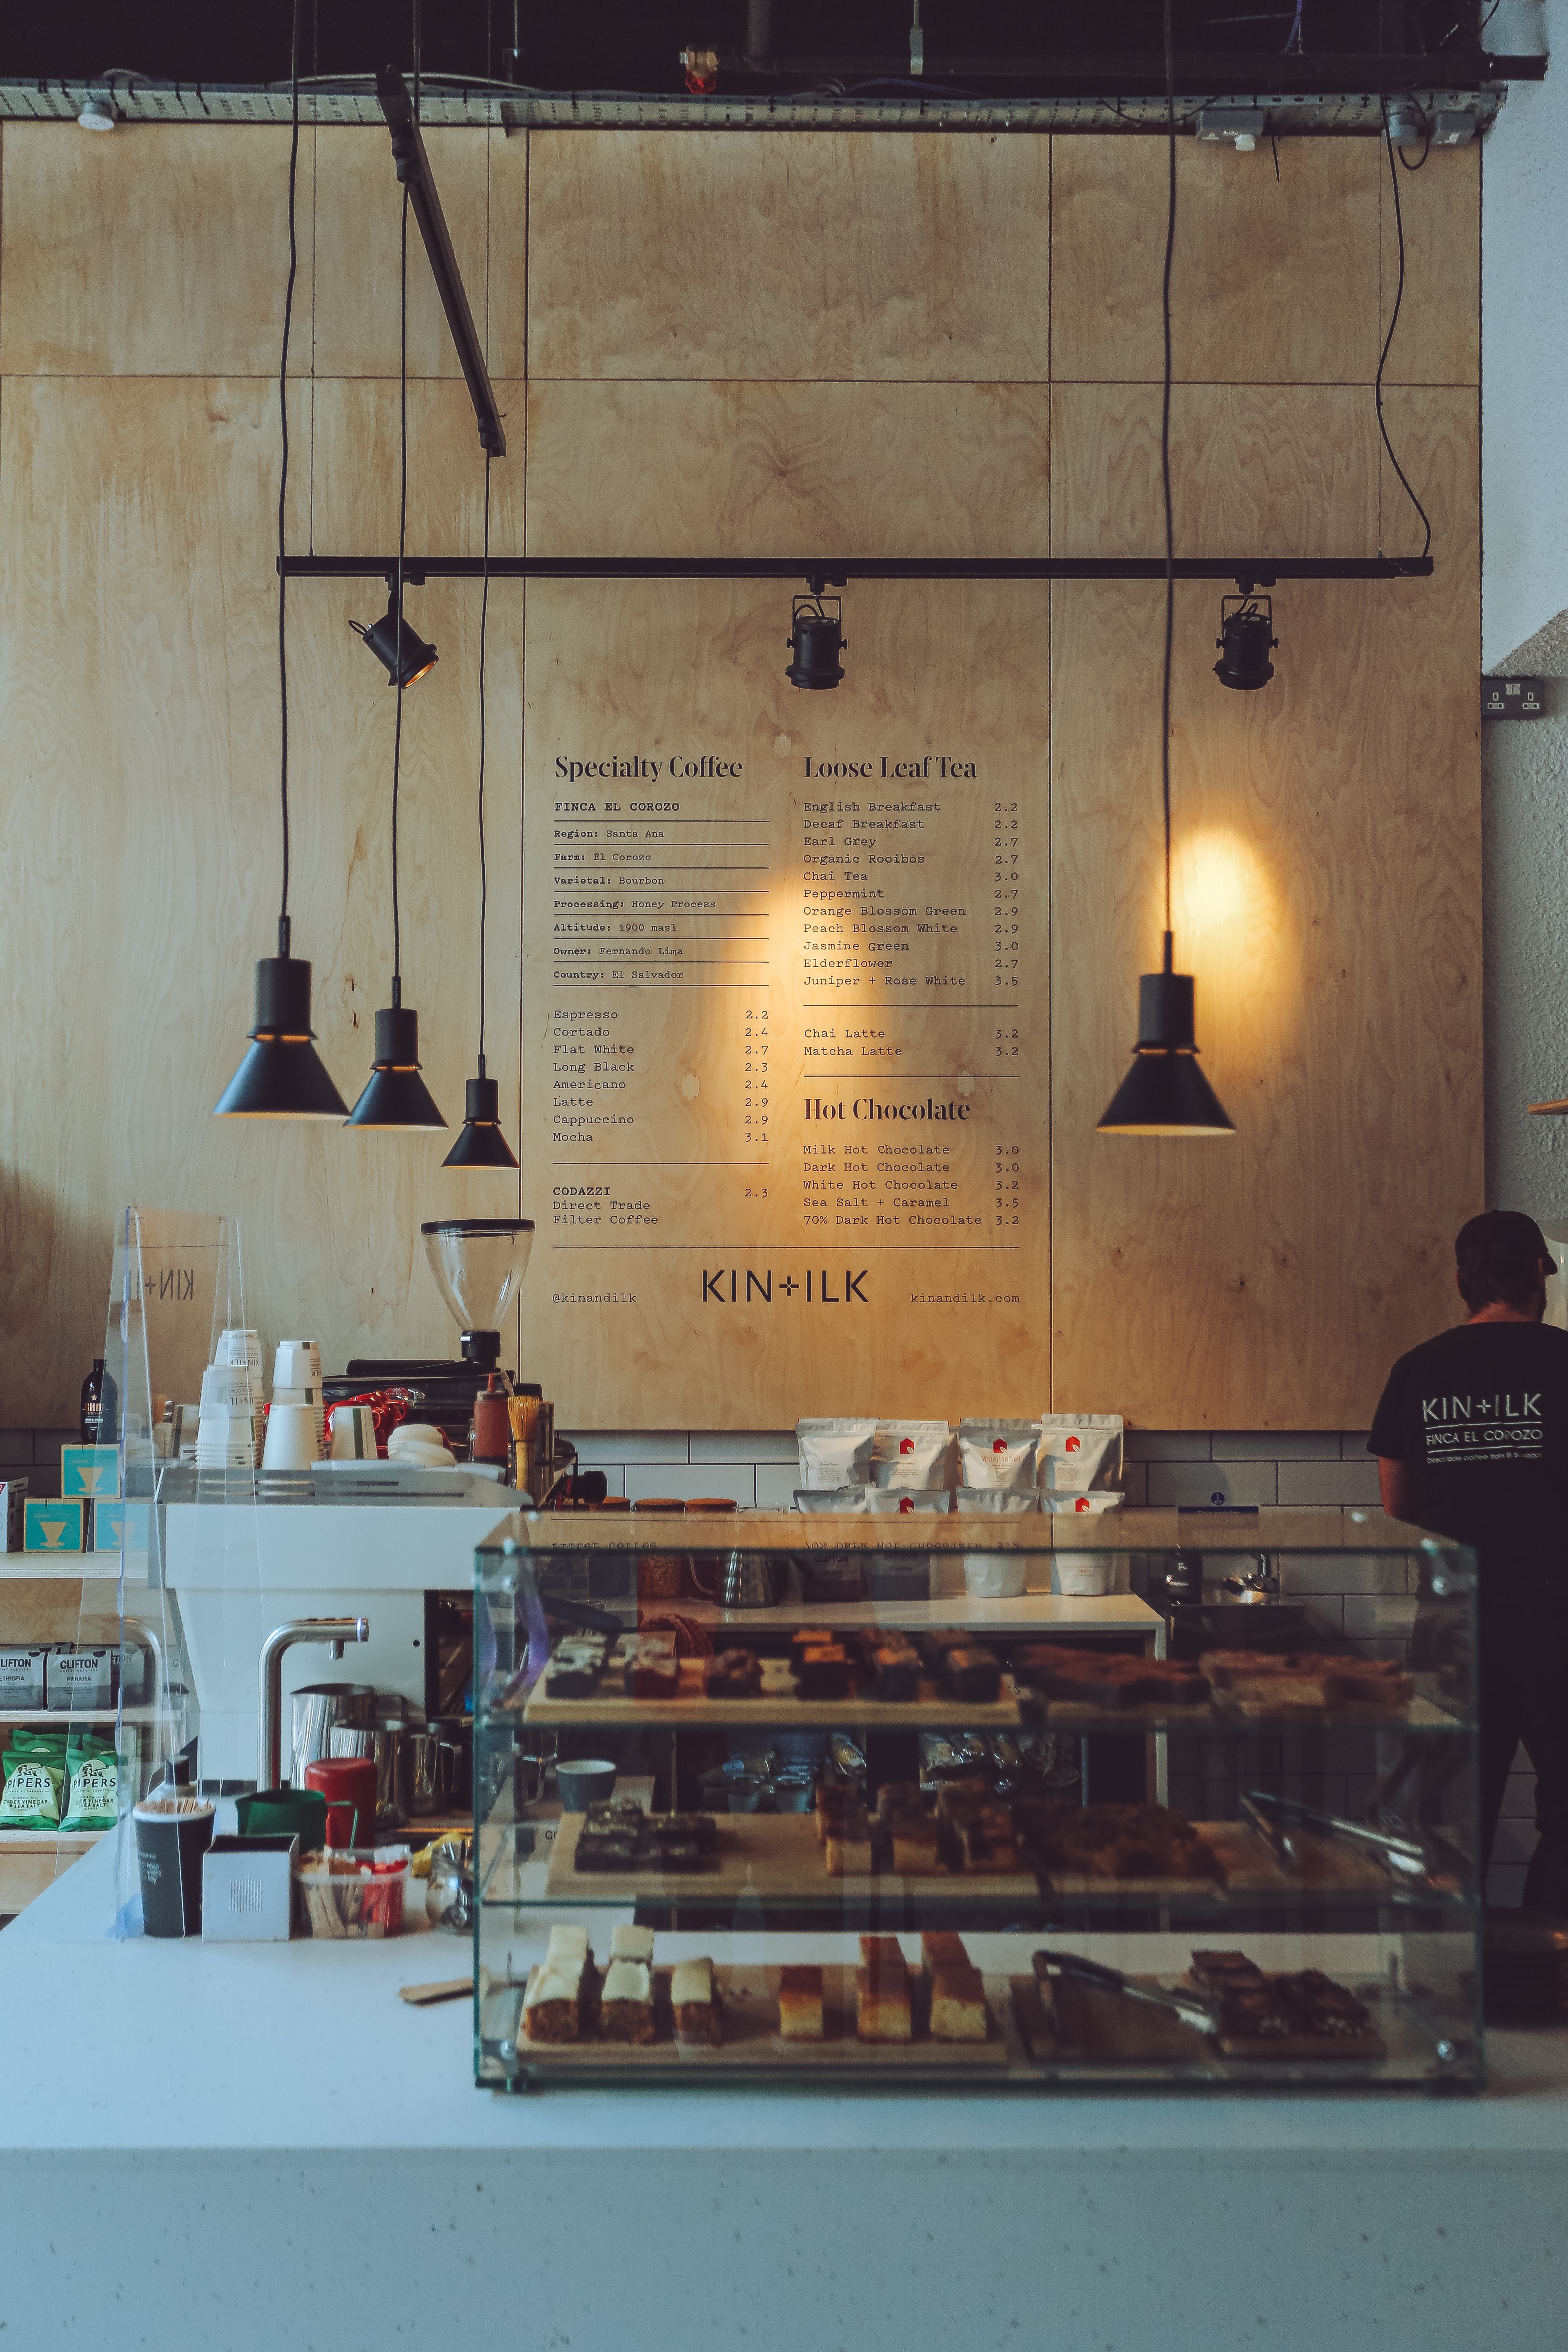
pixel 788 1061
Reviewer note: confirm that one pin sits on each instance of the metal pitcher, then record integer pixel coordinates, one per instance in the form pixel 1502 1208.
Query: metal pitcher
pixel 319 1709
pixel 754 1580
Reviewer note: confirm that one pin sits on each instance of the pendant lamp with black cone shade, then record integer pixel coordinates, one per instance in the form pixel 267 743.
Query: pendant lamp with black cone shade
pixel 397 1096
pixel 282 1075
pixel 480 1143
pixel 1165 1093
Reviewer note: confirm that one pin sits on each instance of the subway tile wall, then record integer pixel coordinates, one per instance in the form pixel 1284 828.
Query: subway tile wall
pixel 1359 1599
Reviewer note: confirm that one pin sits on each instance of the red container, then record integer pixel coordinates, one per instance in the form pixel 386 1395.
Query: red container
pixel 347 1784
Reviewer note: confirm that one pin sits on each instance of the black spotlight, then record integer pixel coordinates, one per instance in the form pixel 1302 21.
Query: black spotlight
pixel 1246 640
pixel 817 640
pixel 384 635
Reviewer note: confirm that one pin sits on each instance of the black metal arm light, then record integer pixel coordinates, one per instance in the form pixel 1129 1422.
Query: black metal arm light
pixel 397 646
pixel 282 1075
pixel 1246 640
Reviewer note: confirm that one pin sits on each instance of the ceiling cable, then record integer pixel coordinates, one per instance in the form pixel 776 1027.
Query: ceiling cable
pixel 1387 341
pixel 401 544
pixel 283 475
pixel 1165 453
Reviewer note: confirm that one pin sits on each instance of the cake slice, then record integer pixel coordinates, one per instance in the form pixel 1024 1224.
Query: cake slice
pixel 550 2010
pixel 894 1666
pixel 733 1674
pixel 958 2011
pixel 822 1672
pixel 628 1943
pixel 940 1948
pixel 626 2003
pixel 699 2013
pixel 972 1674
pixel 652 1666
pixel 800 2004
pixel 882 2011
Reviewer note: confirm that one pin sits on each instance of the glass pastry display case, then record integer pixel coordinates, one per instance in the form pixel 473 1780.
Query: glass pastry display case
pixel 986 1828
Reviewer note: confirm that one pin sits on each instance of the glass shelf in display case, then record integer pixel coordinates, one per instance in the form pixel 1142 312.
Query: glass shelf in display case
pixel 1006 1843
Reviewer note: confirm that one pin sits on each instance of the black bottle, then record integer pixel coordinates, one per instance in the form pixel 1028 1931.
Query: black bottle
pixel 92 1404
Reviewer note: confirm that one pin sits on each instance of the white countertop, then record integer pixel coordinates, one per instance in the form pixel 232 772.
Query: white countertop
pixel 161 2045
pixel 226 2147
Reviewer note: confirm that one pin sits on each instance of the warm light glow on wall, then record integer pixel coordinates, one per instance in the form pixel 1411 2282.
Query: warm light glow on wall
pixel 1240 936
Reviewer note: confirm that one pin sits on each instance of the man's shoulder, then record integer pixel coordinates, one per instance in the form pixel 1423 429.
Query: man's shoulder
pixel 1544 1341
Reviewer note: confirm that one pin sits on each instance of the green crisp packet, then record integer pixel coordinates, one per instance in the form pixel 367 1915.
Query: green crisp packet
pixel 35 1776
pixel 94 1801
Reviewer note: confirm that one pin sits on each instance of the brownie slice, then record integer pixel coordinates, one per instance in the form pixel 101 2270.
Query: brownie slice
pixel 733 1674
pixel 972 1675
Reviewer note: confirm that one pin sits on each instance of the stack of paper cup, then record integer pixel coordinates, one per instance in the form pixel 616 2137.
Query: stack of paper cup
pixel 297 1380
pixel 244 1348
pixel 225 1438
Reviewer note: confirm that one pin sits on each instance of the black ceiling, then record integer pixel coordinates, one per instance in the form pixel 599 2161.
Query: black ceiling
pixel 613 45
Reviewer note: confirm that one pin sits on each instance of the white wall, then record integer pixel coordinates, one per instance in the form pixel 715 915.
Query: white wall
pixel 1524 340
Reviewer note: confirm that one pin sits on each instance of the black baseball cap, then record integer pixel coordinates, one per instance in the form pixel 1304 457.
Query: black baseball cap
pixel 1508 1231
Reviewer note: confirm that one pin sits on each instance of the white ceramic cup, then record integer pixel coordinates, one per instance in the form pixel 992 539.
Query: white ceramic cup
pixel 290 1438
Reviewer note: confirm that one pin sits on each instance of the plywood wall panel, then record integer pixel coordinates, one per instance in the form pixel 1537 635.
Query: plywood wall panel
pixel 155 252
pixel 1274 281
pixel 483 185
pixel 1288 470
pixel 748 255
pixel 355 472
pixel 747 468
pixel 909 977
pixel 140 723
pixel 1323 828
pixel 1438 338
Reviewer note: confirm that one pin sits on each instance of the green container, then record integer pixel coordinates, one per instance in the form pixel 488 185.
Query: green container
pixel 285 1813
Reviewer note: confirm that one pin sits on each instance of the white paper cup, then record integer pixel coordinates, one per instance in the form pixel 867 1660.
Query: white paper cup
pixel 225 1385
pixel 353 1433
pixel 995 1575
pixel 297 1365
pixel 1085 1575
pixel 237 1346
pixel 296 1392
pixel 290 1438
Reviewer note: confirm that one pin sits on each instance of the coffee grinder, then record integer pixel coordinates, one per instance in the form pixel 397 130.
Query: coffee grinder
pixel 478 1263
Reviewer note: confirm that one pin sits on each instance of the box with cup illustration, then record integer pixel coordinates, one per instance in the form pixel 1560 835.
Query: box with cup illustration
pixel 51 1525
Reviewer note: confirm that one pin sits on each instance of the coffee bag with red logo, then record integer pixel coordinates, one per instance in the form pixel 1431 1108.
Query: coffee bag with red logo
pixel 903 1502
pixel 911 1453
pixel 1080 1450
pixel 998 1453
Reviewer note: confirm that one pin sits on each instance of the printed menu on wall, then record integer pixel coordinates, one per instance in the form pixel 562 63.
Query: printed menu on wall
pixel 784 1036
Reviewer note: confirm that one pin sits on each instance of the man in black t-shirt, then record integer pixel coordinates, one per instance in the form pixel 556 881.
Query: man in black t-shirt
pixel 1472 1440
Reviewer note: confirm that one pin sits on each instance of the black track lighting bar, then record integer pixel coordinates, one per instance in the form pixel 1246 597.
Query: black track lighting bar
pixel 1249 572
pixel 414 171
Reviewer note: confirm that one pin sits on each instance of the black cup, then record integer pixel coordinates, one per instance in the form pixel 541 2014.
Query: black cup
pixel 169 1850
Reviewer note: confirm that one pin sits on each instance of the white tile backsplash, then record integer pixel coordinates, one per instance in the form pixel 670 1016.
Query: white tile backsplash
pixel 597 1446
pixel 1275 1445
pixel 1167 1445
pixel 736 1481
pixel 1304 1484
pixel 744 1445
pixel 1190 1485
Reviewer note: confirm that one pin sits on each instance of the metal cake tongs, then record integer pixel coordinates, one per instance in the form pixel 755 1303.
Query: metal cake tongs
pixel 1190 2007
pixel 1274 1817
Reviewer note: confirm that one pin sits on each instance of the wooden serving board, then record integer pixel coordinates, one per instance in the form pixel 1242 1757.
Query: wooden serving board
pixel 776 1858
pixel 609 1708
pixel 1325 1866
pixel 751 2037
pixel 1081 2021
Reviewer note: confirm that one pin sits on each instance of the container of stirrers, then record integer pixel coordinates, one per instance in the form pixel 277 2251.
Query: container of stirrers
pixel 350 1892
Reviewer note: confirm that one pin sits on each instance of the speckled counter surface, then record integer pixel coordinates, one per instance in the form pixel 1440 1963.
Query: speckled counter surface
pixel 215 2147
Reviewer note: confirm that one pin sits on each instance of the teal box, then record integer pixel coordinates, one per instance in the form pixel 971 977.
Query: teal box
pixel 89 1471
pixel 117 1523
pixel 53 1527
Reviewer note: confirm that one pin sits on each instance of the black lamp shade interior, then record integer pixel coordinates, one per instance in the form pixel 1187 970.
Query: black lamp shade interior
pixel 1164 1092
pixel 282 1075
pixel 479 1143
pixel 396 1096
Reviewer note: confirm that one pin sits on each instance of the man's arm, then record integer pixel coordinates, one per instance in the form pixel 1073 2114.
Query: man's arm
pixel 1397 1480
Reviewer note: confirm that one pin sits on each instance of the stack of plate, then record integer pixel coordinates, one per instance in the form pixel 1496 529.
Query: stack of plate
pixel 225 1435
pixel 297 1380
pixel 1524 1957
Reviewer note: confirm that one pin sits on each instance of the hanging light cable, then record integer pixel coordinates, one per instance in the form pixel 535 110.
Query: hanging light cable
pixel 480 1143
pixel 396 1096
pixel 1164 1092
pixel 282 1075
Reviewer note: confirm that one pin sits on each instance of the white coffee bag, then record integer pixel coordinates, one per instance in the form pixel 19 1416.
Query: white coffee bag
pixel 1081 1505
pixel 910 1454
pixel 835 1452
pixel 996 1502
pixel 885 1501
pixel 812 1499
pixel 1080 1450
pixel 998 1453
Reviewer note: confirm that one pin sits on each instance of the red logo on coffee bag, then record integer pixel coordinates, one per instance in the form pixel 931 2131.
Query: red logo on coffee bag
pixel 1073 1445
pixel 905 1506
pixel 906 1445
pixel 1081 1504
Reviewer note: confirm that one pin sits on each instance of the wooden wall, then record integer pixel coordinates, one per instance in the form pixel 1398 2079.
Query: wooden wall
pixel 907 344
